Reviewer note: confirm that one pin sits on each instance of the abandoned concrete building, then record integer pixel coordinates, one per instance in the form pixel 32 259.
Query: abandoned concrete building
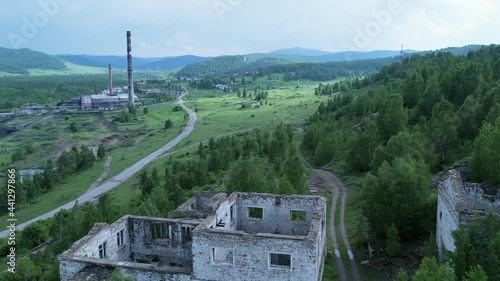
pixel 459 202
pixel 212 236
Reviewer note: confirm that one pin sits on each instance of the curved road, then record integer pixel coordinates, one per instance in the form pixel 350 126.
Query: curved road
pixel 93 195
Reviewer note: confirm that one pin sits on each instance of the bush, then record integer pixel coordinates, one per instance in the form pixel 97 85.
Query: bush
pixel 73 127
pixel 127 143
pixel 18 155
pixel 168 124
pixel 34 235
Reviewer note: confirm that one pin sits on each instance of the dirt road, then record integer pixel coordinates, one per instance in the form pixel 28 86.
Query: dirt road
pixel 93 194
pixel 337 189
pixel 29 126
pixel 104 174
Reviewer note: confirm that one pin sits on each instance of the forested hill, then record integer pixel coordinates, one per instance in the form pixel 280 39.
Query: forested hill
pixel 278 63
pixel 227 65
pixel 406 122
pixel 18 61
pixel 327 71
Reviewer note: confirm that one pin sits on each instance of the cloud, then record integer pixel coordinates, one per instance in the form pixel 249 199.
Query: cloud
pixel 164 28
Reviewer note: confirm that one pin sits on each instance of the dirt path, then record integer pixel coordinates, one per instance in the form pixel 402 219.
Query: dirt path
pixel 337 189
pixel 104 175
pixel 341 271
pixel 93 194
pixel 29 126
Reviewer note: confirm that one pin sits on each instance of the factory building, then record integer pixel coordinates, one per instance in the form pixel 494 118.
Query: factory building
pixel 104 102
pixel 112 98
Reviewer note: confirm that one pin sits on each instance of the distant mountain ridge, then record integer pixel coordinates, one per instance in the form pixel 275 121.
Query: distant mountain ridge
pixel 165 63
pixel 227 65
pixel 18 61
pixel 298 51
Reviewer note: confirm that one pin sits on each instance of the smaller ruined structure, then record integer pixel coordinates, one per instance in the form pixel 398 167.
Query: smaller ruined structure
pixel 460 202
pixel 31 109
pixel 246 236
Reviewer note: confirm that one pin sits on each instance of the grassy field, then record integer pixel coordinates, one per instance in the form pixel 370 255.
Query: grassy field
pixel 220 113
pixel 71 69
pixel 145 134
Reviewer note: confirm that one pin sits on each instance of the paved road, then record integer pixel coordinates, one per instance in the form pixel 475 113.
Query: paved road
pixel 93 195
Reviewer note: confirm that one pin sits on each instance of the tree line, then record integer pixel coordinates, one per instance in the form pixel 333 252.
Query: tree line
pixel 326 71
pixel 259 161
pixel 66 165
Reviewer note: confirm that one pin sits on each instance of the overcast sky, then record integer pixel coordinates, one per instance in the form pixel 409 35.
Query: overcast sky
pixel 222 27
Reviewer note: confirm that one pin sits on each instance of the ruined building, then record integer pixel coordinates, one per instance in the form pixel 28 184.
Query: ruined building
pixel 246 236
pixel 459 202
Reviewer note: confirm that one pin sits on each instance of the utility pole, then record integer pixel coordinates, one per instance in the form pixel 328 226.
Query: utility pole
pixel 401 61
pixel 274 101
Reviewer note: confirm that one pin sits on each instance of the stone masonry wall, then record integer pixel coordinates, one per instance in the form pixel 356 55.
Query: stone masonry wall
pixel 276 216
pixel 459 202
pixel 447 212
pixel 250 257
pixel 476 199
pixel 170 251
pixel 90 248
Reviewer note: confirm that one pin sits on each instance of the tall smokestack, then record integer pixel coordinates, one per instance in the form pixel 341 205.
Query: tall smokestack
pixel 110 81
pixel 130 79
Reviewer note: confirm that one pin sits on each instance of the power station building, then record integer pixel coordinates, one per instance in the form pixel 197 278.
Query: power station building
pixel 244 236
pixel 110 100
pixel 104 102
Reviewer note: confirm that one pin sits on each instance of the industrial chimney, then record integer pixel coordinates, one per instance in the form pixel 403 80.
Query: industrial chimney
pixel 130 79
pixel 110 81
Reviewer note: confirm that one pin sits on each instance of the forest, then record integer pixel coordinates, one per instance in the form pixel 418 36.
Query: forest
pixel 328 71
pixel 230 65
pixel 215 67
pixel 410 121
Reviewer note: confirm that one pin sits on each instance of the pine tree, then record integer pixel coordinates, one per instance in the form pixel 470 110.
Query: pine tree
pixel 101 152
pixel 393 245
